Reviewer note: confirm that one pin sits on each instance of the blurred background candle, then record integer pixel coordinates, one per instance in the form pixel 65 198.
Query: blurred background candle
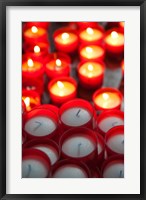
pixel 107 99
pixel 91 53
pixel 91 74
pixel 66 40
pixel 62 89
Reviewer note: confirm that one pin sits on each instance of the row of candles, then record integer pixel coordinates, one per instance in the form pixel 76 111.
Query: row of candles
pixel 71 138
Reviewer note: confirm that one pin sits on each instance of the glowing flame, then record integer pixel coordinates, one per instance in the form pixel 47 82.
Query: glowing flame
pixel 105 96
pixel 65 36
pixel 36 49
pixel 60 84
pixel 90 31
pixel 114 35
pixel 58 62
pixel 34 29
pixel 90 67
pixel 89 49
pixel 30 62
pixel 27 101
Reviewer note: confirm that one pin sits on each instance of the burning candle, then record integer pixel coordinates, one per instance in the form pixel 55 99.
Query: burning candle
pixel 107 98
pixel 91 53
pixel 91 74
pixel 113 167
pixel 76 113
pixel 35 164
pixel 62 89
pixel 114 139
pixel 79 144
pixel 44 25
pixel 83 25
pixel 66 40
pixel 109 119
pixel 31 99
pixel 91 35
pixel 114 41
pixel 49 147
pixel 40 123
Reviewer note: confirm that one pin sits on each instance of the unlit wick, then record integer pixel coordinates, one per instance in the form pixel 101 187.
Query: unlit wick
pixel 39 124
pixel 78 113
pixel 29 170
pixel 121 174
pixel 79 145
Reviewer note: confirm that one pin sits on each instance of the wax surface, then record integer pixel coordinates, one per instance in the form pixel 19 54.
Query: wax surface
pixel 70 171
pixel 114 171
pixel 52 65
pixel 110 122
pixel 66 40
pixel 40 126
pixel 33 169
pixel 29 33
pixel 91 54
pixel 91 69
pixel 78 146
pixel 36 66
pixel 76 116
pixel 116 143
pixel 115 41
pixel 90 34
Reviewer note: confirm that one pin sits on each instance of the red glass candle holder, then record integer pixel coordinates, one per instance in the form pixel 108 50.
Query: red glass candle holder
pixel 101 150
pixel 91 53
pixel 95 172
pixel 24 137
pixel 112 165
pixel 83 25
pixel 76 113
pixel 49 147
pixel 114 140
pixel 122 66
pixel 74 139
pixel 23 107
pixel 40 123
pixel 114 41
pixel 58 172
pixel 33 157
pixel 121 25
pixel 107 99
pixel 57 65
pixel 66 39
pixel 62 90
pixel 44 25
pixel 51 107
pixel 109 119
pixel 31 99
pixel 91 74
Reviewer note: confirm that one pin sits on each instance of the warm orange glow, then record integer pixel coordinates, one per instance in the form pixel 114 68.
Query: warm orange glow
pixel 58 62
pixel 30 63
pixel 114 35
pixel 34 29
pixel 65 36
pixel 60 84
pixel 105 96
pixel 90 67
pixel 89 49
pixel 27 101
pixel 37 49
pixel 90 31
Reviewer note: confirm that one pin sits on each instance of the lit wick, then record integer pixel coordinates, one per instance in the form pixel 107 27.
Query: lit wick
pixel 39 124
pixel 29 170
pixel 114 123
pixel 58 64
pixel 78 113
pixel 121 174
pixel 79 145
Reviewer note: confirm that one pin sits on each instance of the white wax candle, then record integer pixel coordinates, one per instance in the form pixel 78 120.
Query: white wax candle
pixel 40 126
pixel 115 170
pixel 78 146
pixel 109 123
pixel 49 151
pixel 70 171
pixel 75 116
pixel 116 143
pixel 32 168
pixel 99 148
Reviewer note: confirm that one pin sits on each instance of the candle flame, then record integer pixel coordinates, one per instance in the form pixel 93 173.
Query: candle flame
pixel 89 49
pixel 58 62
pixel 34 29
pixel 105 96
pixel 114 35
pixel 36 49
pixel 60 84
pixel 90 31
pixel 65 36
pixel 90 67
pixel 30 62
pixel 27 101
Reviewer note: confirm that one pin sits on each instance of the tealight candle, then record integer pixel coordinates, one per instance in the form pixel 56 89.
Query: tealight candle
pixel 62 89
pixel 114 41
pixel 113 167
pixel 91 35
pixel 35 164
pixel 40 123
pixel 107 99
pixel 91 53
pixel 49 147
pixel 31 99
pixel 70 169
pixel 109 119
pixel 91 74
pixel 76 113
pixel 66 40
pixel 44 25
pixel 83 25
pixel 79 144
pixel 114 140
pixel 35 34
